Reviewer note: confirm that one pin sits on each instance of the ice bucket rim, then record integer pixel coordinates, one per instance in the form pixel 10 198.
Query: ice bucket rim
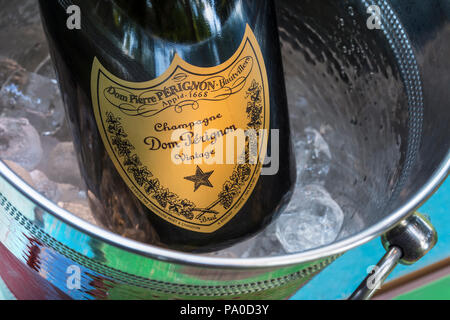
pixel 177 257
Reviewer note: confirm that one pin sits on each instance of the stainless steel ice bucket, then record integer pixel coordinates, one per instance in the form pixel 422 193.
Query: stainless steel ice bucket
pixel 373 75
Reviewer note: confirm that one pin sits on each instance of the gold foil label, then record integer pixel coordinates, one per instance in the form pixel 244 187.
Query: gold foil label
pixel 170 138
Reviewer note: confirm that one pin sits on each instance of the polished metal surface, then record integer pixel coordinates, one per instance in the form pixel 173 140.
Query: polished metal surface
pixel 376 278
pixel 381 100
pixel 406 243
pixel 414 235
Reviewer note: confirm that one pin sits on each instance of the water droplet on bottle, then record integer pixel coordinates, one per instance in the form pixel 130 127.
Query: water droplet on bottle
pixel 351 12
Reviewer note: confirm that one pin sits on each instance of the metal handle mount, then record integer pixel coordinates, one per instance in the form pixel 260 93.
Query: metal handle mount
pixel 406 243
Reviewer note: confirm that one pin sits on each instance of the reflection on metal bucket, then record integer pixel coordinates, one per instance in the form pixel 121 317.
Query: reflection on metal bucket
pixel 378 96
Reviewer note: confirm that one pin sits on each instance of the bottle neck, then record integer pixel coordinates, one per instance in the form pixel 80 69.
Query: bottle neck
pixel 178 21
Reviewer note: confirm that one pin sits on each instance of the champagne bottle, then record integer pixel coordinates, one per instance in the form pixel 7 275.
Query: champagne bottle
pixel 174 107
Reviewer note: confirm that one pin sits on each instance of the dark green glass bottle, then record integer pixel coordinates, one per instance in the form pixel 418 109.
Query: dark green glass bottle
pixel 139 70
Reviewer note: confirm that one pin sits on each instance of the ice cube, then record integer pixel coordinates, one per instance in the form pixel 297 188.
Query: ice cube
pixel 45 186
pixel 57 192
pixel 239 250
pixel 21 33
pixel 313 157
pixel 264 244
pixel 70 193
pixel 312 219
pixel 20 142
pixel 7 69
pixel 37 98
pixel 62 165
pixel 80 210
pixel 46 68
pixel 20 171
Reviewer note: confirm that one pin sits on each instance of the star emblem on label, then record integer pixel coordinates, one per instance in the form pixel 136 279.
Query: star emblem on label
pixel 200 178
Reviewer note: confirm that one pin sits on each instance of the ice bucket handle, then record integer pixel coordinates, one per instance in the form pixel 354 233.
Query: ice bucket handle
pixel 406 243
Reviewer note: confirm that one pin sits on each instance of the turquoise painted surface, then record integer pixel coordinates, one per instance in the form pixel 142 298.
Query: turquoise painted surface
pixel 5 294
pixel 344 275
